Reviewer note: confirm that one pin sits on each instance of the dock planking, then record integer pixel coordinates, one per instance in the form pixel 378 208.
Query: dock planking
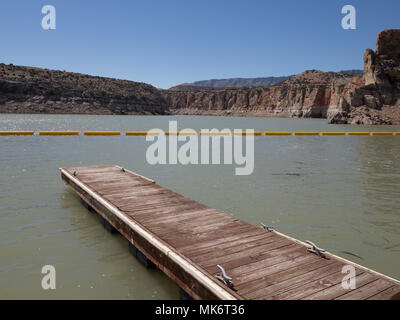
pixel 187 240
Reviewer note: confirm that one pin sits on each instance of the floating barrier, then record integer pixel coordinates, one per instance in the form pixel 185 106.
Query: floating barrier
pixel 102 133
pixel 277 133
pixel 381 133
pixel 187 133
pixel 204 133
pixel 59 133
pixel 209 133
pixel 180 133
pixel 244 133
pixel 332 133
pixel 17 133
pixel 140 133
pixel 305 133
pixel 357 133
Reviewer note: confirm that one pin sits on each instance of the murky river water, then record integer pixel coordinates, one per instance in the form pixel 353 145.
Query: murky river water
pixel 341 192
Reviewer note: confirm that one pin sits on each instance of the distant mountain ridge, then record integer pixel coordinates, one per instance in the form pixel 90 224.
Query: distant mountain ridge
pixel 354 72
pixel 250 82
pixel 241 82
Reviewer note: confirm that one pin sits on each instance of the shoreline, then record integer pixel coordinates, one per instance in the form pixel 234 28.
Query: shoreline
pixel 394 115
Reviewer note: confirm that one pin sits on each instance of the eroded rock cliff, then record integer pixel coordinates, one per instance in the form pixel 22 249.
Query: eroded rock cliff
pixel 373 98
pixel 377 101
pixel 310 94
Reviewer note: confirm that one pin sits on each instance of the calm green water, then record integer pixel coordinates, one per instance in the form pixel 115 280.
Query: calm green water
pixel 345 196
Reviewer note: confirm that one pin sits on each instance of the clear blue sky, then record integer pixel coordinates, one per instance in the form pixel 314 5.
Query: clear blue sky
pixel 168 42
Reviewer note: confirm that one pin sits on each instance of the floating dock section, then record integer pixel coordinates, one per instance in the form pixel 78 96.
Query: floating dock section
pixel 212 255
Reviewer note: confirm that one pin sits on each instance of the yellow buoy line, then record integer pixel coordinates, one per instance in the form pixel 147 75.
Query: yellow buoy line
pixel 102 133
pixel 58 133
pixel 209 133
pixel 16 133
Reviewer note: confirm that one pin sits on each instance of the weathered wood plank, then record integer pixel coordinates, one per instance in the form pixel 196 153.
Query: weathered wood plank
pixel 337 290
pixel 392 293
pixel 293 254
pixel 322 278
pixel 205 245
pixel 229 246
pixel 186 240
pixel 293 285
pixel 206 235
pixel 252 254
pixel 261 285
pixel 366 291
pixel 275 264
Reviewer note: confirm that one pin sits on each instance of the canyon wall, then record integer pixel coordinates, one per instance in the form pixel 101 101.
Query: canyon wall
pixel 310 94
pixel 373 98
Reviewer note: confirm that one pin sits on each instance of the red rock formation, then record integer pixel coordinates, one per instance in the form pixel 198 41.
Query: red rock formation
pixel 310 94
pixel 378 100
pixel 373 98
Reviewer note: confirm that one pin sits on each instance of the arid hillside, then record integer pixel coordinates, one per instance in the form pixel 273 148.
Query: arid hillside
pixel 35 90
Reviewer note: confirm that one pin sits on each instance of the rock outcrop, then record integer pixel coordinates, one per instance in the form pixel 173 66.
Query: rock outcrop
pixel 388 42
pixel 34 90
pixel 310 94
pixel 377 101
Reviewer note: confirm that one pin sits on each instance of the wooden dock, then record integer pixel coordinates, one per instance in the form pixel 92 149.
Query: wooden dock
pixel 187 240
